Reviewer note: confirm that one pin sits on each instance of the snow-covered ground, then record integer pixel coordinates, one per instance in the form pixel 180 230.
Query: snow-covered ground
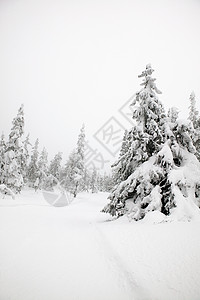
pixel 76 252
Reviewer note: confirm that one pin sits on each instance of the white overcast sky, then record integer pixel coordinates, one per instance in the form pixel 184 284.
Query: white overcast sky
pixel 74 61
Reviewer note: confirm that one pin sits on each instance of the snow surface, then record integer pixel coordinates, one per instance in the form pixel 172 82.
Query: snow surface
pixel 76 252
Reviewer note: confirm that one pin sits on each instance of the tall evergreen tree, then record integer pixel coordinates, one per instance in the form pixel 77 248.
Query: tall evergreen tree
pixel 144 139
pixel 159 178
pixel 14 155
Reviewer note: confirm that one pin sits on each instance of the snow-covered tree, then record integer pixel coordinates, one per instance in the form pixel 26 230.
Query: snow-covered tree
pixel 25 158
pixel 93 181
pixel 2 159
pixel 75 166
pixel 14 154
pixel 80 151
pixel 70 172
pixel 195 119
pixel 144 139
pixel 33 169
pixel 55 165
pixel 122 168
pixel 86 180
pixel 173 114
pixel 49 182
pixel 193 112
pixel 43 167
pixel 166 173
pixel 108 182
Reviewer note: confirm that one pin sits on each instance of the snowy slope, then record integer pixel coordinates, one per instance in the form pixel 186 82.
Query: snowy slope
pixel 75 252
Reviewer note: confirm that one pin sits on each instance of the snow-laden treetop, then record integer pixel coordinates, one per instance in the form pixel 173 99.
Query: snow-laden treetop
pixel 148 81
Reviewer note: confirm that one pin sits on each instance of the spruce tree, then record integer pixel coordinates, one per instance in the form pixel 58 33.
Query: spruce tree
pixel 195 119
pixel 33 168
pixel 122 168
pixel 86 180
pixel 144 139
pixel 160 165
pixel 55 166
pixel 25 158
pixel 14 154
pixel 93 181
pixel 75 167
pixel 173 114
pixel 43 167
pixel 2 159
pixel 193 112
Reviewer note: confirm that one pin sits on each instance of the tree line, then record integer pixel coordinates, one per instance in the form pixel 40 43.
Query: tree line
pixel 22 164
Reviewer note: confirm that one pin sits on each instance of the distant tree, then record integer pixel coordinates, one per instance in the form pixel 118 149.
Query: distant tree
pixel 108 182
pixel 173 114
pixel 2 159
pixel 25 158
pixel 43 167
pixel 93 181
pixel 71 171
pixel 75 167
pixel 105 182
pixel 33 168
pixel 193 112
pixel 55 166
pixel 195 119
pixel 14 154
pixel 86 180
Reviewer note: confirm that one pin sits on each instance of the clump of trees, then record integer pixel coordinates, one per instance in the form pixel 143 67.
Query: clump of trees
pixel 22 164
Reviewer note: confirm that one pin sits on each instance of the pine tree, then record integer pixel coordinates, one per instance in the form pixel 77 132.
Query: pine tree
pixel 122 168
pixel 75 167
pixel 93 181
pixel 108 183
pixel 149 115
pixel 33 168
pixel 14 154
pixel 55 166
pixel 195 119
pixel 80 151
pixel 159 178
pixel 25 158
pixel 2 159
pixel 193 112
pixel 144 139
pixel 86 180
pixel 70 172
pixel 173 114
pixel 43 167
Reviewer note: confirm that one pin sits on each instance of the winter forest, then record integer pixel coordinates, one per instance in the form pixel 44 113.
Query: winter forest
pixel 22 165
pixel 158 167
pixel 139 224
